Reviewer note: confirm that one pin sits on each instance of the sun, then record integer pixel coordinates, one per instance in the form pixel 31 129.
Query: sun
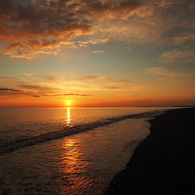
pixel 68 102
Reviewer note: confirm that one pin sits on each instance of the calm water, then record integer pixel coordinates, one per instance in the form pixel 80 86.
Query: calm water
pixel 77 164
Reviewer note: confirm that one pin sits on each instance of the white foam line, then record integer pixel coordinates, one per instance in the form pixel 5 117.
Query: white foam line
pixel 67 132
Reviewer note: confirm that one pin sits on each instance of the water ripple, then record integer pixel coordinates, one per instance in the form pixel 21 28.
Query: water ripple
pixel 9 147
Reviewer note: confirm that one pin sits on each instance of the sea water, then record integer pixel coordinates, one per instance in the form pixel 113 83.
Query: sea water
pixel 94 144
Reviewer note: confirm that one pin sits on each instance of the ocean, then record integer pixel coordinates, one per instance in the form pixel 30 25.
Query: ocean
pixel 73 151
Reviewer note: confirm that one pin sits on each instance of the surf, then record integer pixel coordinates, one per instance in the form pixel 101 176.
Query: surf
pixel 67 131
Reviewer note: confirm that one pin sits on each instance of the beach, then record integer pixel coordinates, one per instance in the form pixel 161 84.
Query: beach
pixel 164 162
pixel 86 160
pixel 83 160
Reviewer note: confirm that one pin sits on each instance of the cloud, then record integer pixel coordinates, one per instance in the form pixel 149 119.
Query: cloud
pixel 164 74
pixel 184 55
pixel 169 3
pixel 112 9
pixel 51 78
pixel 93 42
pixel 70 94
pixel 29 49
pixel 28 74
pixel 186 38
pixel 34 87
pixel 101 79
pixel 98 83
pixel 15 92
pixel 89 77
pixel 110 88
pixel 43 27
pixel 98 51
pixel 45 77
pixel 31 28
pixel 51 86
pixel 37 94
pixel 7 89
pixel 161 22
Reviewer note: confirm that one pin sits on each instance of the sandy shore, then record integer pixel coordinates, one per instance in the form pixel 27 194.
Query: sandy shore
pixel 164 163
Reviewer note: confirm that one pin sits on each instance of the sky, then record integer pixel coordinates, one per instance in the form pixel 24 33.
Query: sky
pixel 97 53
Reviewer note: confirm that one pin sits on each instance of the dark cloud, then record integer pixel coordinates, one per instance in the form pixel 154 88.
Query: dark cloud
pixel 7 89
pixel 11 92
pixel 40 26
pixel 33 27
pixel 162 22
pixel 37 94
pixel 16 92
pixel 113 9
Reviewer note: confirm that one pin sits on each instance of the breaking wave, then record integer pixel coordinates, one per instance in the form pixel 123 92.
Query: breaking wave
pixel 67 131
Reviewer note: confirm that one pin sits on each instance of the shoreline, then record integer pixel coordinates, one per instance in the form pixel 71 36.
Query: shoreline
pixel 52 135
pixel 164 162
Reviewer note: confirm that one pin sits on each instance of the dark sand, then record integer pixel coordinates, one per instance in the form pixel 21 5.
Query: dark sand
pixel 164 163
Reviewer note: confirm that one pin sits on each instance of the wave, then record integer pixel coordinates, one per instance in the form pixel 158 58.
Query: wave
pixel 67 131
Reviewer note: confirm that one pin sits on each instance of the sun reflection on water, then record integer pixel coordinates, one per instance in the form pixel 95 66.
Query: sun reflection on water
pixel 68 116
pixel 72 167
pixel 71 155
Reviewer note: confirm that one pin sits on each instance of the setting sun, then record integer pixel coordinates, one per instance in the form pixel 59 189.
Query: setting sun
pixel 86 64
pixel 68 102
pixel 88 76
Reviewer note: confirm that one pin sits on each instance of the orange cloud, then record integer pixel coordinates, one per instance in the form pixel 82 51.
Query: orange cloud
pixel 113 9
pixel 50 86
pixel 93 42
pixel 31 48
pixel 168 3
pixel 42 27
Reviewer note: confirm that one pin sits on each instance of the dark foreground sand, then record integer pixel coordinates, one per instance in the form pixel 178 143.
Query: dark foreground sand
pixel 164 163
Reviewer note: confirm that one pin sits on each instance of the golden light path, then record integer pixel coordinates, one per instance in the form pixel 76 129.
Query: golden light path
pixel 68 116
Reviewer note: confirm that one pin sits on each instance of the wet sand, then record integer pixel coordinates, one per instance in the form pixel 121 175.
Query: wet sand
pixel 164 163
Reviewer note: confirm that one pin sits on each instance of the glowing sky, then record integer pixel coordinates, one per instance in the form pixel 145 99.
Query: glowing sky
pixel 97 53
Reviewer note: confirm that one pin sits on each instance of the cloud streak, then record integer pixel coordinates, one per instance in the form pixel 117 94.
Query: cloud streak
pixel 49 86
pixel 164 74
pixel 16 92
pixel 98 79
pixel 93 42
pixel 98 51
pixel 175 55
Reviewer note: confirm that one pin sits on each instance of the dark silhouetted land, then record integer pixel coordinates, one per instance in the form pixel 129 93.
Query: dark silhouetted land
pixel 164 163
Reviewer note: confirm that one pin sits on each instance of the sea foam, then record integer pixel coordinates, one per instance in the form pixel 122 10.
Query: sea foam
pixel 67 131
